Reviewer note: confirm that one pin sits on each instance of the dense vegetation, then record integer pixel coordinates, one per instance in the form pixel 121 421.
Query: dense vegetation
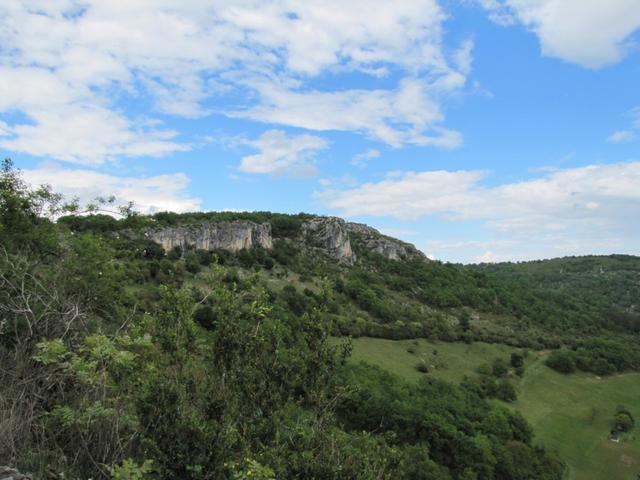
pixel 572 415
pixel 121 361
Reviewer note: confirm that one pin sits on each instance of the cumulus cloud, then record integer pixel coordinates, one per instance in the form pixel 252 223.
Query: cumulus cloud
pixel 281 154
pixel 584 209
pixel 590 33
pixel 149 194
pixel 87 135
pixel 61 59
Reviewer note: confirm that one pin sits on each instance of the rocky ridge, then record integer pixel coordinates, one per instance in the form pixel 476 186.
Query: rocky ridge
pixel 331 235
pixel 390 248
pixel 231 236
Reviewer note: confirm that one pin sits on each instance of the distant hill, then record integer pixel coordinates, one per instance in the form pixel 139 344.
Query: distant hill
pixel 384 287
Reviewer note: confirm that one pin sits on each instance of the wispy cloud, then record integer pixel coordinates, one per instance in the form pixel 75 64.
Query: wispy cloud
pixel 621 136
pixel 67 69
pixel 407 115
pixel 362 158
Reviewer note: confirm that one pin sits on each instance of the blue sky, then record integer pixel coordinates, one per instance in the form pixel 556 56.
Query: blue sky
pixel 479 130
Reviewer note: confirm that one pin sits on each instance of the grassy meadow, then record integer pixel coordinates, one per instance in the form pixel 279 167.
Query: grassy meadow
pixel 571 414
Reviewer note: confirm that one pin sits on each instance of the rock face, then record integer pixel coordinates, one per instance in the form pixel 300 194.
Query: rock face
pixel 7 473
pixel 331 235
pixel 231 236
pixel 328 234
pixel 388 247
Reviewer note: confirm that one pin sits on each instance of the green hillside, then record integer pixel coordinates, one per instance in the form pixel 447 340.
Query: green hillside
pixel 203 346
pixel 571 414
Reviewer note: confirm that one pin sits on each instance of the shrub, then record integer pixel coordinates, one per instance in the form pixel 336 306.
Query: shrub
pixel 175 253
pixel 505 391
pixel 422 366
pixel 623 422
pixel 205 316
pixel 191 263
pixel 499 368
pixel 562 361
pixel 517 360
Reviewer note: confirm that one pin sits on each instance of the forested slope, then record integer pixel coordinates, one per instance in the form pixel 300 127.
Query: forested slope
pixel 121 361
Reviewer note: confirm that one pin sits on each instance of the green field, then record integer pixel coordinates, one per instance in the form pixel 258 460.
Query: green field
pixel 571 414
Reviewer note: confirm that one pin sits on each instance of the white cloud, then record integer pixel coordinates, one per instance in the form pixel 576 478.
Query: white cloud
pixel 63 57
pixel 87 135
pixel 281 154
pixel 575 210
pixel 149 194
pixel 621 136
pixel 363 158
pixel 406 115
pixel 406 195
pixel 590 33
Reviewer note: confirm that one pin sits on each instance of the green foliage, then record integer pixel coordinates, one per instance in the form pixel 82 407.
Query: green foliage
pixel 562 361
pixel 623 419
pixel 422 366
pixel 130 470
pixel 122 362
pixel 623 422
pixel 460 431
pixel 499 368
pixel 517 360
pixel 250 470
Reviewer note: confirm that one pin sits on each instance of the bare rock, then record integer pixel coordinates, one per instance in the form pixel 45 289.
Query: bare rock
pixel 231 236
pixel 390 248
pixel 330 234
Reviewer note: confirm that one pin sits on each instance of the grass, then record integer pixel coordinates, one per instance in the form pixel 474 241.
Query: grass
pixel 570 414
pixel 447 361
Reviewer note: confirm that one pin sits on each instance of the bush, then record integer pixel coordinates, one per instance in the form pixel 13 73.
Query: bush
pixel 517 360
pixel 205 316
pixel 623 422
pixel 499 368
pixel 191 263
pixel 561 361
pixel 505 391
pixel 422 366
pixel 175 253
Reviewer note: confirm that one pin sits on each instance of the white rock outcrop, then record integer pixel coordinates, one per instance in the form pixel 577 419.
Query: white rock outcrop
pixel 231 236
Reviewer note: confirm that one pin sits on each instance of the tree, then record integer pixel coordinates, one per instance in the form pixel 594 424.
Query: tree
pixel 562 361
pixel 623 422
pixel 499 368
pixel 517 360
pixel 623 419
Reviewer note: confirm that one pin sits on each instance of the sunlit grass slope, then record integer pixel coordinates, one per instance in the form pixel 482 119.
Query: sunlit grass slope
pixel 571 414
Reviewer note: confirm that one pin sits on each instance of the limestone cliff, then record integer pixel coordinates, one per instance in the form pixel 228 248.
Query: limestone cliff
pixel 231 236
pixel 390 248
pixel 329 234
